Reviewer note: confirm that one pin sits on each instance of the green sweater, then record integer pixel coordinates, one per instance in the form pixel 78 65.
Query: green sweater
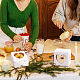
pixel 12 16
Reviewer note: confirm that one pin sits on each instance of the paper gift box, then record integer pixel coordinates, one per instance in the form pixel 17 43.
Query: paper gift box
pixel 19 59
pixel 64 35
pixel 62 57
pixel 25 36
pixel 5 65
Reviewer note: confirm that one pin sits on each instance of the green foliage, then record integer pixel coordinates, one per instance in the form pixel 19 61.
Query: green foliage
pixel 37 67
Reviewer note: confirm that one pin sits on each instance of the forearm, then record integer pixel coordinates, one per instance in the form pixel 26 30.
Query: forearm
pixel 76 30
pixel 59 13
pixel 34 34
pixel 7 31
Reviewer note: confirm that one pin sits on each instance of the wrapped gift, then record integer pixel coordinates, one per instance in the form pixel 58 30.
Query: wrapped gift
pixel 5 65
pixel 19 59
pixel 62 57
pixel 64 35
pixel 25 36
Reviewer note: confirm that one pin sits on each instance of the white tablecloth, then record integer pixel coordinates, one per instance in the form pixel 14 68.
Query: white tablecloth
pixel 65 76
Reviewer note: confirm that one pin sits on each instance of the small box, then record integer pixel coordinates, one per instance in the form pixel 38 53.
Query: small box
pixel 19 59
pixel 64 35
pixel 62 57
pixel 25 36
pixel 5 65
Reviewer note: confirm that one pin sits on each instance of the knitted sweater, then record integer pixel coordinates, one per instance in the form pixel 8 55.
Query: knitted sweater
pixel 12 16
pixel 62 13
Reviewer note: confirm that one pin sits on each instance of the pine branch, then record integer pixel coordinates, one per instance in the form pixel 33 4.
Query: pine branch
pixel 37 67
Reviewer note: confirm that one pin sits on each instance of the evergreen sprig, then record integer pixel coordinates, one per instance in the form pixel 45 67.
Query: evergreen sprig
pixel 37 67
pixel 78 69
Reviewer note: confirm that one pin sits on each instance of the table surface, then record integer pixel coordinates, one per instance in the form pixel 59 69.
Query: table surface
pixel 49 48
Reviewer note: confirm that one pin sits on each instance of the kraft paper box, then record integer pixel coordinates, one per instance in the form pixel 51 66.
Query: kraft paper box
pixel 19 59
pixel 62 57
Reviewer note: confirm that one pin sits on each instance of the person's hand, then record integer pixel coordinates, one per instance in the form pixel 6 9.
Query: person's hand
pixel 70 35
pixel 28 46
pixel 18 38
pixel 58 24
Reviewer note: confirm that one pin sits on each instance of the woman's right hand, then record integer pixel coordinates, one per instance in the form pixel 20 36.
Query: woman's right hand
pixel 18 38
pixel 58 24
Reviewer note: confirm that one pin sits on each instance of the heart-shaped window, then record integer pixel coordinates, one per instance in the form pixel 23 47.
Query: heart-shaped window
pixel 19 55
pixel 60 58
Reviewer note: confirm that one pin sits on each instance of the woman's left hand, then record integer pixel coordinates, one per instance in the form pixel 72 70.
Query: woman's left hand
pixel 28 46
pixel 70 35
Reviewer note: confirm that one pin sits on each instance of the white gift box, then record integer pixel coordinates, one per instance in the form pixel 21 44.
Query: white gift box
pixel 64 35
pixel 19 62
pixel 62 57
pixel 25 37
